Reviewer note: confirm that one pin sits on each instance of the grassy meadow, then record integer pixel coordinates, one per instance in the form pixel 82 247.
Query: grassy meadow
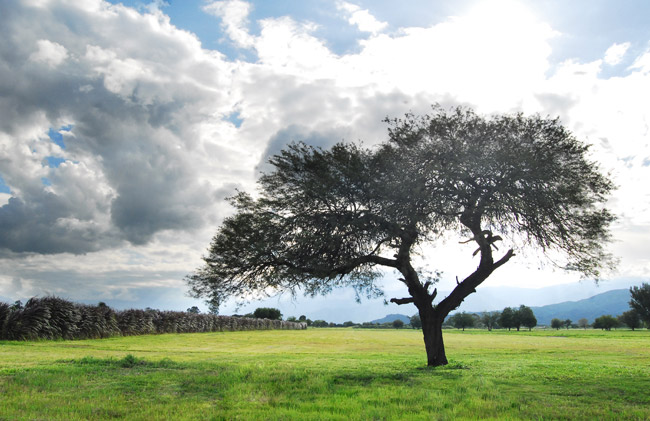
pixel 329 374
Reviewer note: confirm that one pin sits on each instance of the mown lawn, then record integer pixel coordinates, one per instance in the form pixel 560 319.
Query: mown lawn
pixel 330 374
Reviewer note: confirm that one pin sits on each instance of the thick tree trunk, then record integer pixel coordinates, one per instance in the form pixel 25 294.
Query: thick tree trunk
pixel 433 343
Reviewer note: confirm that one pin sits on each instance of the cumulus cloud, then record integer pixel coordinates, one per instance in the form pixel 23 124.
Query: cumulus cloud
pixel 142 113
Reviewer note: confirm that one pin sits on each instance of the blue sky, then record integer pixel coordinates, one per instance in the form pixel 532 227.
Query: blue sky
pixel 126 124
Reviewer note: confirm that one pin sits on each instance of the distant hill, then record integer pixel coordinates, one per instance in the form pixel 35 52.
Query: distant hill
pixel 612 302
pixel 392 317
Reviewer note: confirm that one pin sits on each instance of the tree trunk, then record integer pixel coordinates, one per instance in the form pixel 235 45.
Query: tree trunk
pixel 432 330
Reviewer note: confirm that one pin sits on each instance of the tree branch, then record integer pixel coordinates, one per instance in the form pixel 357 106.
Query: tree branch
pixel 400 301
pixel 469 284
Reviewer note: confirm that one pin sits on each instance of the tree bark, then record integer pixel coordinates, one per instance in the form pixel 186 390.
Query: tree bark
pixel 433 342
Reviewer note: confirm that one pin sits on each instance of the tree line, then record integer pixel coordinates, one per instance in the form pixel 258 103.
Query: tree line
pixel 57 318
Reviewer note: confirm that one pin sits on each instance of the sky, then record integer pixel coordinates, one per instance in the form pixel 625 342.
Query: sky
pixel 125 125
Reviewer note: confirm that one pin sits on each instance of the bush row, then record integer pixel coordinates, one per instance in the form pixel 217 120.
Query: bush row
pixel 56 318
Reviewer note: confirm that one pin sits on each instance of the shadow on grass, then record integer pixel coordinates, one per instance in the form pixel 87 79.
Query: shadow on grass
pixel 128 361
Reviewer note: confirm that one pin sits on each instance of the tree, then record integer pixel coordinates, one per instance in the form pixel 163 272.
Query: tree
pixel 194 310
pixel 416 323
pixel 641 302
pixel 491 319
pixel 583 323
pixel 267 313
pixel 462 320
pixel 631 319
pixel 567 323
pixel 304 319
pixel 507 318
pixel 556 324
pixel 324 219
pixel 527 317
pixel 606 322
pixel 398 324
pixel 320 323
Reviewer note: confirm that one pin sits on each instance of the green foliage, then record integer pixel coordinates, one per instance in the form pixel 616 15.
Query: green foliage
pixel 526 317
pixel 462 320
pixel 641 302
pixel 267 313
pixel 583 323
pixel 557 324
pixel 398 324
pixel 631 319
pixel 606 322
pixel 416 323
pixel 491 319
pixel 194 310
pixel 507 319
pixel 320 323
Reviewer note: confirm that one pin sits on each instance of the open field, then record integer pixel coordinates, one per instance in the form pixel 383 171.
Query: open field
pixel 330 374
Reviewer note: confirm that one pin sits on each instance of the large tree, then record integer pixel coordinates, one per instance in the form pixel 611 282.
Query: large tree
pixel 340 217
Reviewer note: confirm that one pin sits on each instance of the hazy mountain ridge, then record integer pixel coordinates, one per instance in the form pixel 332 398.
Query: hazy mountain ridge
pixel 390 318
pixel 611 302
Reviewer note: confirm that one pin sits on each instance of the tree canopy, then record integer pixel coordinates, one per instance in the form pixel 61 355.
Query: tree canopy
pixel 324 219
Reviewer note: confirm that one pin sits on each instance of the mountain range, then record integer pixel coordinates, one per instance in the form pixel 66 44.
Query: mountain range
pixel 611 302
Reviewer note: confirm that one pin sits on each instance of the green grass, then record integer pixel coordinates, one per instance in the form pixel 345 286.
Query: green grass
pixel 330 374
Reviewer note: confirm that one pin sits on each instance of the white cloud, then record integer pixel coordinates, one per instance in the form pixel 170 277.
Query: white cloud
pixel 362 18
pixel 615 53
pixel 234 18
pixel 49 52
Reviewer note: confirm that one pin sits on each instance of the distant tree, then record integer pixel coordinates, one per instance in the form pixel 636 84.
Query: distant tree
pixel 398 324
pixel 339 217
pixel 557 324
pixel 606 322
pixel 416 323
pixel 292 319
pixel 490 320
pixel 641 302
pixel 463 320
pixel 349 324
pixel 527 317
pixel 583 323
pixel 194 310
pixel 304 319
pixel 507 318
pixel 320 323
pixel 567 323
pixel 631 319
pixel 267 313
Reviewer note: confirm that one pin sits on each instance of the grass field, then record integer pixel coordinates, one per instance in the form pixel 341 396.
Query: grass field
pixel 330 374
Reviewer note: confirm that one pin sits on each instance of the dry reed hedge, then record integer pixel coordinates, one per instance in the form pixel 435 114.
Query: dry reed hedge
pixel 57 318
